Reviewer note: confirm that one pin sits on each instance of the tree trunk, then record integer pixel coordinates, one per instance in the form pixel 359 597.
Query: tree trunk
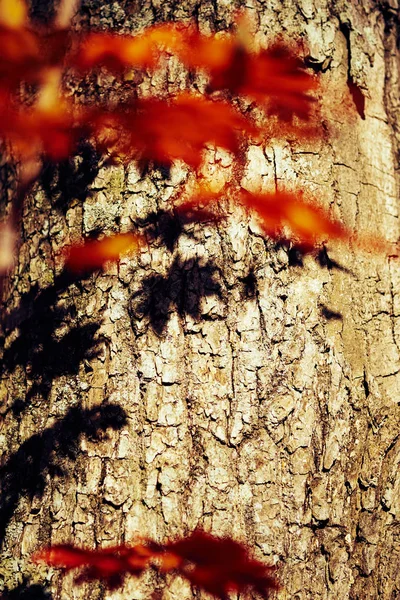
pixel 216 380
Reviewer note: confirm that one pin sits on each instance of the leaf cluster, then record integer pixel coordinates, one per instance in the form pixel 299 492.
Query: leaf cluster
pixel 163 128
pixel 217 565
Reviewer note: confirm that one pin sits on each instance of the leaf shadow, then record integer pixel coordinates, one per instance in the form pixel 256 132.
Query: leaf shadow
pixel 50 453
pixel 181 289
pixel 324 260
pixel 167 226
pixel 249 283
pixel 297 252
pixel 42 12
pixel 329 314
pixel 26 591
pixel 70 179
pixel 52 339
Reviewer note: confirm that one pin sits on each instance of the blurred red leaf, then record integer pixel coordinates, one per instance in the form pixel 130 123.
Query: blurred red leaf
pixel 285 215
pixel 32 131
pixel 20 55
pixel 108 564
pixel 164 131
pixel 26 53
pixel 308 222
pixel 274 77
pixel 63 555
pixel 221 565
pixel 118 52
pixel 218 565
pixel 150 129
pixel 87 257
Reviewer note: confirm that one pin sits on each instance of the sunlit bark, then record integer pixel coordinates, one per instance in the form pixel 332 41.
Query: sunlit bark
pixel 215 379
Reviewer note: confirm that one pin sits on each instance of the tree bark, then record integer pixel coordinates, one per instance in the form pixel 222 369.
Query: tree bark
pixel 217 380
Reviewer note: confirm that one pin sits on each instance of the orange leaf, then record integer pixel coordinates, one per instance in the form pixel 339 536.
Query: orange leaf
pixel 118 52
pixel 274 77
pixel 37 130
pixel 25 53
pixel 93 254
pixel 63 555
pixel 20 56
pixel 307 222
pixel 150 129
pixel 114 51
pixel 13 13
pixel 164 131
pixel 200 51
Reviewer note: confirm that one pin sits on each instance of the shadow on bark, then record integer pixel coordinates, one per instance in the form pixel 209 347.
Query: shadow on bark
pixel 324 260
pixel 42 11
pixel 25 591
pixel 70 179
pixel 51 453
pixel 297 254
pixel 181 289
pixel 330 315
pixel 52 340
pixel 167 226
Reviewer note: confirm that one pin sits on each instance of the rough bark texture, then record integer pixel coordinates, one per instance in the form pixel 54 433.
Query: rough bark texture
pixel 214 381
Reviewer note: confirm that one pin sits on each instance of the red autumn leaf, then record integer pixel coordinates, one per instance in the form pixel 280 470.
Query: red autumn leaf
pixel 37 130
pixel 19 45
pixel 164 131
pixel 20 56
pixel 203 52
pixel 221 565
pixel 218 565
pixel 274 77
pixel 118 52
pixel 308 223
pixel 26 52
pixel 63 555
pixel 93 254
pixel 108 564
pixel 150 129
